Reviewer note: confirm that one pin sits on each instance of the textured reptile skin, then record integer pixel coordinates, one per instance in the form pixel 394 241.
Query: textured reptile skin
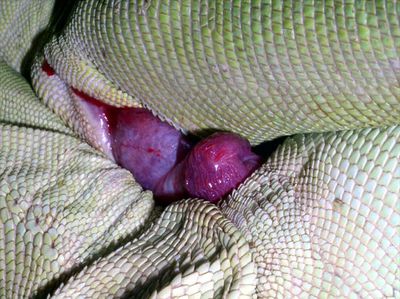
pixel 259 68
pixel 20 106
pixel 61 202
pixel 191 251
pixel 21 24
pixel 319 219
pixel 323 215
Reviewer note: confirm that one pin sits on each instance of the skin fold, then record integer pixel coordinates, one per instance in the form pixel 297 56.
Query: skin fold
pixel 319 219
pixel 262 70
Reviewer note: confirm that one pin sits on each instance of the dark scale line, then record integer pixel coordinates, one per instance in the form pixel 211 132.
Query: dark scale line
pixel 254 70
pixel 184 62
pixel 217 83
pixel 27 261
pixel 309 45
pixel 262 60
pixel 102 37
pixel 199 76
pixel 245 73
pixel 271 56
pixel 126 63
pixel 349 66
pixel 394 28
pixel 357 69
pixel 369 69
pixel 169 58
pixel 337 53
pixel 226 85
pixel 139 39
pixel 200 48
pixel 281 76
pixel 390 34
pixel 30 263
pixel 195 70
pixel 14 253
pixel 382 49
pixel 33 275
pixel 135 56
pixel 163 59
pixel 328 59
pixel 304 94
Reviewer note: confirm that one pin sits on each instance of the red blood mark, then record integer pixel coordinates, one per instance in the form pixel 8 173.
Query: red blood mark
pixel 90 99
pixel 110 112
pixel 47 68
pixel 151 150
pixel 162 159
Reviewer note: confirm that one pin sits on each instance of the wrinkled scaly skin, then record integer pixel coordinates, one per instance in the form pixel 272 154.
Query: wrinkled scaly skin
pixel 319 219
pixel 21 25
pixel 322 216
pixel 62 202
pixel 265 69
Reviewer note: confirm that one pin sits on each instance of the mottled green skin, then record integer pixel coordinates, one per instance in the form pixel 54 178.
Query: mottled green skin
pixel 61 201
pixel 259 68
pixel 19 105
pixel 323 216
pixel 319 219
pixel 192 250
pixel 22 24
pixel 63 205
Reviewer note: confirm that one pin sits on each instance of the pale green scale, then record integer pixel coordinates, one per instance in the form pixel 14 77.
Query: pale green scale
pixel 319 218
pixel 277 67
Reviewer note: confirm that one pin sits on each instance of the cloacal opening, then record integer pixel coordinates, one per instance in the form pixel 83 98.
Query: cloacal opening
pixel 163 159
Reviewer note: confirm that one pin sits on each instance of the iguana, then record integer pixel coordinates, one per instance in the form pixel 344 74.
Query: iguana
pixel 319 219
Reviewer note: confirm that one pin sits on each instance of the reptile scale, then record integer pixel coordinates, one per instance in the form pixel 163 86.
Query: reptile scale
pixel 319 219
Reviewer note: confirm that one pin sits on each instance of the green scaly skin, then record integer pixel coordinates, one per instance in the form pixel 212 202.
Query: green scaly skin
pixel 21 25
pixel 63 205
pixel 319 219
pixel 261 68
